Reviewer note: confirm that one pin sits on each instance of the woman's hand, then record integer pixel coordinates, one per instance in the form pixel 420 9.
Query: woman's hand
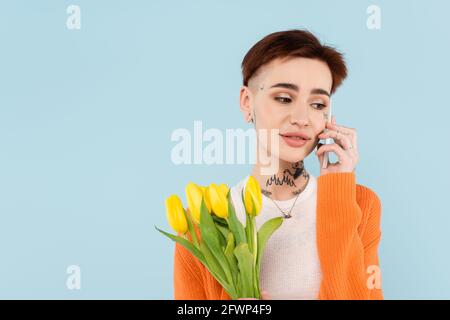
pixel 344 146
pixel 264 296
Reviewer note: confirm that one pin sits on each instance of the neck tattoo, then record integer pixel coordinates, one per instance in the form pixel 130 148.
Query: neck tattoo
pixel 288 178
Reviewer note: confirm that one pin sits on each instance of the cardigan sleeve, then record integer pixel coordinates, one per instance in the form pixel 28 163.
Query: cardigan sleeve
pixel 188 283
pixel 348 235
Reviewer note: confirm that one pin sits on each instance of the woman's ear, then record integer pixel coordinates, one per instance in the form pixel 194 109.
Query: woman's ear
pixel 245 98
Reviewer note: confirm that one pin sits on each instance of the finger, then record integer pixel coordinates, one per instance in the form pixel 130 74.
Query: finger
pixel 343 140
pixel 342 155
pixel 265 295
pixel 320 156
pixel 345 130
pixel 350 135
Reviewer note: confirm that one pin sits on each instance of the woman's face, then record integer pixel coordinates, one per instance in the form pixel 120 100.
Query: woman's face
pixel 291 96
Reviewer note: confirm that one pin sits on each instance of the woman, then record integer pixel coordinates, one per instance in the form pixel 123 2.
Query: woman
pixel 327 245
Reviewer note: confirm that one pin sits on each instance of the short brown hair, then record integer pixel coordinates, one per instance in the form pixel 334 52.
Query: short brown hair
pixel 293 43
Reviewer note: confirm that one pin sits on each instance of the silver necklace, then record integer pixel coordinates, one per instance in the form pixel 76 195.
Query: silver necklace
pixel 288 215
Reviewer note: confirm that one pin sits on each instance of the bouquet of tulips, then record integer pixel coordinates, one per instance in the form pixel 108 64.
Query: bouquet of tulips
pixel 229 250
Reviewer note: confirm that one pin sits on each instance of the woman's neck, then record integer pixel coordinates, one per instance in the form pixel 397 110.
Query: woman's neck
pixel 287 183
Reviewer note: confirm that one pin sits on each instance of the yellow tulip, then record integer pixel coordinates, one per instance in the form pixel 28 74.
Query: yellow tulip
pixel 194 197
pixel 224 188
pixel 252 196
pixel 206 198
pixel 218 200
pixel 176 214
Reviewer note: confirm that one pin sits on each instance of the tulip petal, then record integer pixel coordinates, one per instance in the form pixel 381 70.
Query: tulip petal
pixel 176 215
pixel 194 196
pixel 252 196
pixel 219 203
pixel 224 188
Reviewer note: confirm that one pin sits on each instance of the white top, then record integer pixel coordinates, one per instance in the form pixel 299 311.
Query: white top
pixel 290 267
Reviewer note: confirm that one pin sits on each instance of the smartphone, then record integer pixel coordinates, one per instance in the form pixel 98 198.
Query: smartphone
pixel 327 141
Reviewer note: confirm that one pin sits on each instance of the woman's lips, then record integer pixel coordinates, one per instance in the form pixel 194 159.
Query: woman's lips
pixel 295 142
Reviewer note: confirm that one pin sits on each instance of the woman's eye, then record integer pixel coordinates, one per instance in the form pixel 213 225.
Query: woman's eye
pixel 283 99
pixel 319 106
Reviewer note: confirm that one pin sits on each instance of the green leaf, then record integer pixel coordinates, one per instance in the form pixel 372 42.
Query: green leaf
pixel 229 253
pixel 239 286
pixel 220 221
pixel 246 269
pixel 213 264
pixel 206 258
pixel 264 233
pixel 223 234
pixel 191 229
pixel 234 224
pixel 217 271
pixel 185 243
pixel 211 236
pixel 250 228
pixel 249 231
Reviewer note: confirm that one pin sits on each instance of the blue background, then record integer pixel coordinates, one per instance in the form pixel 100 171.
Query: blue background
pixel 86 118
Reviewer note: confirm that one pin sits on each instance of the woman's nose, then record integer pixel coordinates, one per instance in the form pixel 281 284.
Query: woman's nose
pixel 299 115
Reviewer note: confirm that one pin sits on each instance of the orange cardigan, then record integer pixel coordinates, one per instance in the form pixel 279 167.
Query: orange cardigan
pixel 347 231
